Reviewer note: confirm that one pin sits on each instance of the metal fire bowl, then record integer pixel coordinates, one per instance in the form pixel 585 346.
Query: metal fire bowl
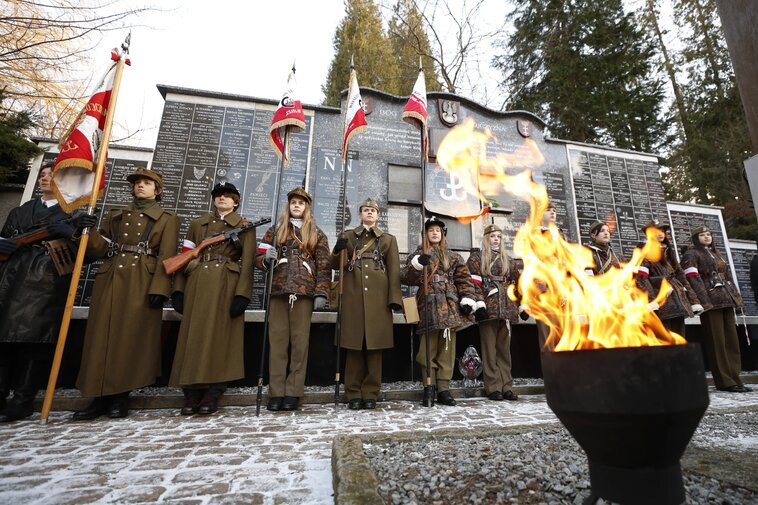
pixel 633 411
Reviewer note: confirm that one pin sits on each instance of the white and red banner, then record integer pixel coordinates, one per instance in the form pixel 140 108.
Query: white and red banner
pixel 74 168
pixel 415 110
pixel 288 116
pixel 355 118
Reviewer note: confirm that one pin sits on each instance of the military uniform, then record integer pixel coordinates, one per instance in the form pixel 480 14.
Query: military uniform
pixel 210 344
pixel 371 285
pixel 122 341
pixel 502 312
pixel 602 254
pixel 709 276
pixel 298 277
pixel 447 289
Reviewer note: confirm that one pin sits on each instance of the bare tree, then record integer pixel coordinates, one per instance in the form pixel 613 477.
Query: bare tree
pixel 45 49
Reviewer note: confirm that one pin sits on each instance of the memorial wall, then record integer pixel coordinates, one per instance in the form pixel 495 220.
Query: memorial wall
pixel 206 138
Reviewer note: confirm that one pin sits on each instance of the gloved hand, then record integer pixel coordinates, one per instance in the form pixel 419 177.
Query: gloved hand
pixel 177 300
pixel 480 314
pixel 467 305
pixel 7 247
pixel 652 306
pixel 239 304
pixel 339 246
pixel 60 230
pixel 270 257
pixel 396 307
pixel 319 303
pixel 523 311
pixel 156 301
pixel 424 259
pixel 83 220
pixel 697 309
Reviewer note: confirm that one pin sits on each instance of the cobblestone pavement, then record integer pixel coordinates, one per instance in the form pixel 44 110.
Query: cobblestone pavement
pixel 231 457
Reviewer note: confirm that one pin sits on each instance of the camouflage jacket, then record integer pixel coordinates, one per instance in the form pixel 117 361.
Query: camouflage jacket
pixel 710 278
pixel 604 259
pixel 679 301
pixel 297 271
pixel 493 288
pixel 446 290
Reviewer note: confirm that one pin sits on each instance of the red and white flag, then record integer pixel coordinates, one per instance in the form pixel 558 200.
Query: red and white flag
pixel 288 116
pixel 415 110
pixel 355 118
pixel 74 168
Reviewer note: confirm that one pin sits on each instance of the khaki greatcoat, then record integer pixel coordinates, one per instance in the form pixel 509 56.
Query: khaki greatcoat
pixel 210 345
pixel 122 344
pixel 372 283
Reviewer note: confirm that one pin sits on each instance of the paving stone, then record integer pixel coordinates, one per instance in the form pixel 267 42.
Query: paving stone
pixel 189 490
pixel 138 494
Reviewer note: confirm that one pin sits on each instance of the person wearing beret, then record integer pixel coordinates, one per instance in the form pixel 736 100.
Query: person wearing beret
pixel 371 290
pixel 34 282
pixel 450 301
pixel 122 343
pixel 300 257
pixel 681 301
pixel 709 276
pixel 602 253
pixel 492 271
pixel 212 292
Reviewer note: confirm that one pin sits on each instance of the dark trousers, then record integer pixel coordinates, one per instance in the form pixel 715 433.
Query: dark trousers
pixel 495 335
pixel 722 347
pixel 212 390
pixel 24 368
pixel 363 374
pixel 675 324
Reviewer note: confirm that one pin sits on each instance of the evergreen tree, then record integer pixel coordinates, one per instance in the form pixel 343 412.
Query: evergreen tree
pixel 409 43
pixel 15 150
pixel 586 68
pixel 360 35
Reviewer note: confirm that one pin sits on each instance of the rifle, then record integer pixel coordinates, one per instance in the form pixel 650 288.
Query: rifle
pixel 180 260
pixel 28 238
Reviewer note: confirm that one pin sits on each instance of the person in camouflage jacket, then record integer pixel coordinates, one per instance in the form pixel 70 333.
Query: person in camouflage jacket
pixel 300 257
pixel 602 253
pixel 450 302
pixel 681 302
pixel 708 275
pixel 492 271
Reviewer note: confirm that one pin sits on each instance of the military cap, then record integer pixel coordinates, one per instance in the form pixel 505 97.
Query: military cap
pixel 370 202
pixel 434 220
pixel 492 228
pixel 224 188
pixel 698 230
pixel 301 193
pixel 596 226
pixel 656 224
pixel 550 205
pixel 145 173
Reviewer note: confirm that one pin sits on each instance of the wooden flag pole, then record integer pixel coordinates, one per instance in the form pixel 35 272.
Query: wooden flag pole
pixel 77 272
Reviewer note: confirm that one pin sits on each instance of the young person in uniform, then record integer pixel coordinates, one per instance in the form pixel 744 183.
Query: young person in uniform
pixel 492 271
pixel 451 299
pixel 300 257
pixel 34 283
pixel 709 276
pixel 371 290
pixel 122 344
pixel 212 292
pixel 602 252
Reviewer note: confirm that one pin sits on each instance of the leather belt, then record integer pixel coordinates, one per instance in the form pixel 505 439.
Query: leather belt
pixel 137 249
pixel 215 257
pixel 498 278
pixel 439 278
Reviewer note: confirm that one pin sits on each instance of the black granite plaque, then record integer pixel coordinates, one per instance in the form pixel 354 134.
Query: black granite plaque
pixel 742 254
pixel 684 218
pixel 328 191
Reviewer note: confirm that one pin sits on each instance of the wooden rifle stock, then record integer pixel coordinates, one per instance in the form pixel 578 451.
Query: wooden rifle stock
pixel 29 238
pixel 179 261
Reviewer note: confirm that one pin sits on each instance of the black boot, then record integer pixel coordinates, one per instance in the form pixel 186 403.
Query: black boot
pixel 119 405
pixel 97 408
pixel 428 400
pixel 22 403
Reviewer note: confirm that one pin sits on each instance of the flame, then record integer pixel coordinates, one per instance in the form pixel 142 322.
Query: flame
pixel 582 311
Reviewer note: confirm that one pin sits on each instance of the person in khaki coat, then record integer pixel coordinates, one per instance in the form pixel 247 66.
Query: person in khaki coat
pixel 709 276
pixel 212 292
pixel 122 344
pixel 299 255
pixel 371 291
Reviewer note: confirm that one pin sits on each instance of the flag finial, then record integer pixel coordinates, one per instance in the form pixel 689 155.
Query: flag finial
pixel 293 66
pixel 420 66
pixel 127 43
pixel 352 61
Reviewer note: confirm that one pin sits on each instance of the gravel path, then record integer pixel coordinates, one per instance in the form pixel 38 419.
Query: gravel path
pixel 538 466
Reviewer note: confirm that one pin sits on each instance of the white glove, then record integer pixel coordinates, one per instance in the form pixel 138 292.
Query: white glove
pixel 319 303
pixel 697 309
pixel 523 308
pixel 270 256
pixel 414 261
pixel 652 306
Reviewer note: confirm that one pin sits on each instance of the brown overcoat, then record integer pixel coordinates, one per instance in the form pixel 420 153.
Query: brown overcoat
pixel 446 290
pixel 298 272
pixel 122 343
pixel 210 345
pixel 493 288
pixel 680 300
pixel 711 279
pixel 372 282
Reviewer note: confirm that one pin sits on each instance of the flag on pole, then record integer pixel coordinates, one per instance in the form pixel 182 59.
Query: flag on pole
pixel 288 115
pixel 415 110
pixel 355 118
pixel 74 168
